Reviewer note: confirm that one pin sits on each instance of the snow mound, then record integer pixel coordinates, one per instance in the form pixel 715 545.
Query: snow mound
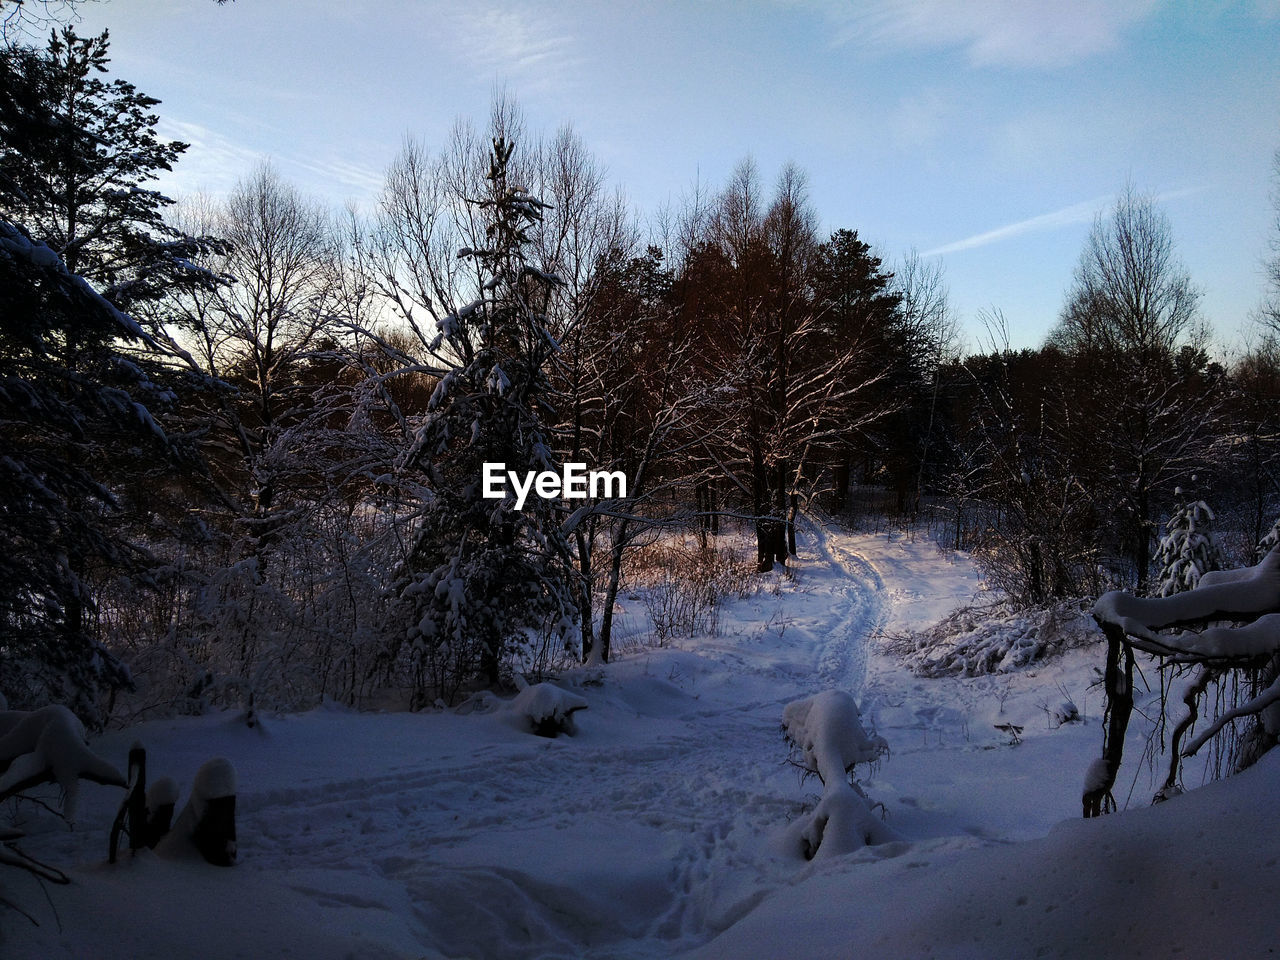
pixel 974 641
pixel 546 709
pixel 207 823
pixel 1091 888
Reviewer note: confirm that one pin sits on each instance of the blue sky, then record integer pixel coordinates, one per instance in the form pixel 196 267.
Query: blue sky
pixel 986 133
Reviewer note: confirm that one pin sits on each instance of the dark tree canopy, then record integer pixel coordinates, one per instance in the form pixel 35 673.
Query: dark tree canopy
pixel 79 388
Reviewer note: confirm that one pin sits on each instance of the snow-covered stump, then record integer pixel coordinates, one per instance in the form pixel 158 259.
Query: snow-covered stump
pixel 207 823
pixel 547 710
pixel 132 816
pixel 1185 628
pixel 146 812
pixel 827 730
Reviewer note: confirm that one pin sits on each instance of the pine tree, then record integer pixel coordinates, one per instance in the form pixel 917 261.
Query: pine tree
pixel 482 576
pixel 79 386
pixel 77 160
pixel 1188 550
pixel 1268 541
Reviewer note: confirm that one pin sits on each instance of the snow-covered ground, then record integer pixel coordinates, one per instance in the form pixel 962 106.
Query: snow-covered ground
pixel 660 827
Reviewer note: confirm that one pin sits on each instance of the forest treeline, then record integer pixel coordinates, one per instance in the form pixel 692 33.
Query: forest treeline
pixel 242 438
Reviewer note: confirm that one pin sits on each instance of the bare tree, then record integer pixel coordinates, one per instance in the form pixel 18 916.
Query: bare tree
pixel 1143 392
pixel 931 335
pixel 793 362
pixel 1131 292
pixel 925 312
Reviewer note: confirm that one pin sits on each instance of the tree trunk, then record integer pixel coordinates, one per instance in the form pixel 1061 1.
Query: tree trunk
pixel 601 649
pixel 586 616
pixel 1118 686
pixel 840 481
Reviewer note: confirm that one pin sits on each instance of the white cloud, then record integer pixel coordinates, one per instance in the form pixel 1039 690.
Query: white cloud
pixel 213 163
pixel 1083 212
pixel 993 32
pixel 516 43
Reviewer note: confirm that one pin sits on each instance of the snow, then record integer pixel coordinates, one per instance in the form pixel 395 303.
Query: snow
pixel 48 745
pixel 546 709
pixel 1192 877
pixel 663 827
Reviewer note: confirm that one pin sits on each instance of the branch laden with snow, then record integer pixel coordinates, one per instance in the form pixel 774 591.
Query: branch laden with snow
pixel 1230 621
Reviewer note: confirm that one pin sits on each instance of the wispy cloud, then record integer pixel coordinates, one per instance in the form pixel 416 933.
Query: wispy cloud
pixel 340 173
pixel 992 32
pixel 213 163
pixel 919 120
pixel 1082 212
pixel 515 42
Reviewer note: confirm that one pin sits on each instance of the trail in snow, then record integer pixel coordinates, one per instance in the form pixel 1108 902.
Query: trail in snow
pixel 859 612
pixel 656 827
pixel 677 782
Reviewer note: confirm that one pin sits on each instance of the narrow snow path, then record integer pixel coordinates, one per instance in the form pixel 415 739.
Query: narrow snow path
pixel 859 611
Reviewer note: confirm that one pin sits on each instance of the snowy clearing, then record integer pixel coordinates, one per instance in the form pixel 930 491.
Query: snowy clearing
pixel 660 826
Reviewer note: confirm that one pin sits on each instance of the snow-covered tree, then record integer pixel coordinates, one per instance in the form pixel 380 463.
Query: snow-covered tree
pixel 80 384
pixel 482 575
pixel 79 180
pixel 1188 550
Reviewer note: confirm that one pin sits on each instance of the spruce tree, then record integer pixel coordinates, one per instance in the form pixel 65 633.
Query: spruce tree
pixel 483 577
pixel 78 157
pixel 1188 550
pixel 79 382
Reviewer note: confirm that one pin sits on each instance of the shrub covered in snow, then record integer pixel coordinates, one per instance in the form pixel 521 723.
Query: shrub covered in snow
pixel 547 709
pixel 826 730
pixel 48 746
pixel 1188 550
pixel 974 641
